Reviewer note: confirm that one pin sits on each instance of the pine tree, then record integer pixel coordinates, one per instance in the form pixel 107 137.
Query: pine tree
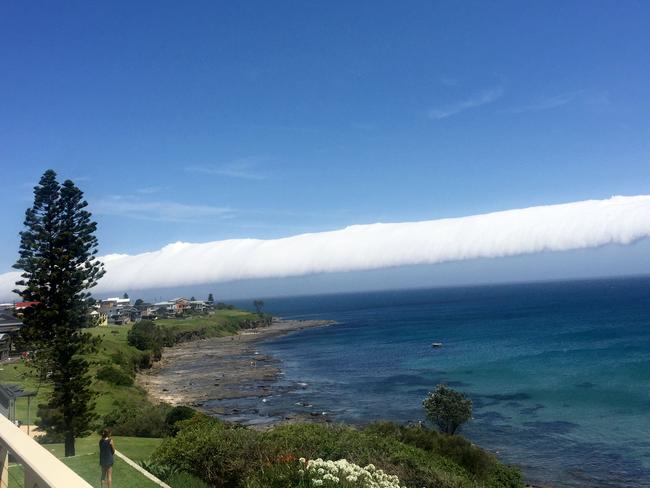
pixel 57 257
pixel 210 298
pixel 125 296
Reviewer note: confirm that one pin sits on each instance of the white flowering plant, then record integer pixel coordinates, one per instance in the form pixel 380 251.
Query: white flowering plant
pixel 289 472
pixel 344 474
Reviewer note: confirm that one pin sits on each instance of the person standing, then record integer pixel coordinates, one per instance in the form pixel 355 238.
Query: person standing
pixel 106 452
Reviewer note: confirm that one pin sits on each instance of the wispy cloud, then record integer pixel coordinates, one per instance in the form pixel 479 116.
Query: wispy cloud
pixel 482 98
pixel 243 169
pixel 548 103
pixel 163 211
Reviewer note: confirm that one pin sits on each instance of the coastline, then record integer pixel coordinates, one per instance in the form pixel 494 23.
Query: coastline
pixel 222 376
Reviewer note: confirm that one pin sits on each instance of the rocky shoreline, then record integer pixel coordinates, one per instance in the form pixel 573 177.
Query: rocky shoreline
pixel 222 375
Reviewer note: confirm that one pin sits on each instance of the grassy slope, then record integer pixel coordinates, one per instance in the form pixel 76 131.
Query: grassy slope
pixel 114 344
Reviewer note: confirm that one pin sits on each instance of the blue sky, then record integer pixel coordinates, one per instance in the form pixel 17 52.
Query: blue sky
pixel 216 120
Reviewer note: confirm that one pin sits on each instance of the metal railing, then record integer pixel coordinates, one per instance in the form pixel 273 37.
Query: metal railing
pixel 41 468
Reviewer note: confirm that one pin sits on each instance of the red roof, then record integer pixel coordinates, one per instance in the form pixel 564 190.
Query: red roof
pixel 21 305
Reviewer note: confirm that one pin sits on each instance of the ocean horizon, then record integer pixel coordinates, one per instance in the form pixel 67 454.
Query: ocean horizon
pixel 559 372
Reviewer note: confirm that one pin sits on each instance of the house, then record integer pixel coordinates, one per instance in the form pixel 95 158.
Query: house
pixel 117 310
pixel 198 306
pixel 165 308
pixel 9 327
pixel 181 305
pixel 149 312
pixel 110 306
pixel 97 317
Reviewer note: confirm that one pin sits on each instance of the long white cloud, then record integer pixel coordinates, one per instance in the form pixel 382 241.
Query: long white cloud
pixel 577 225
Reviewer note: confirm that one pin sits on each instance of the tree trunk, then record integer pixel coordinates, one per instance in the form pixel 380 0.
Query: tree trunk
pixel 69 444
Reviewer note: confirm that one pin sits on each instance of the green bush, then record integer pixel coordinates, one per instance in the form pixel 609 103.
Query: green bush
pixel 178 414
pixel 182 479
pixel 220 453
pixel 138 420
pixel 145 335
pixel 505 477
pixel 230 456
pixel 475 460
pixel 447 408
pixel 114 375
pixel 160 471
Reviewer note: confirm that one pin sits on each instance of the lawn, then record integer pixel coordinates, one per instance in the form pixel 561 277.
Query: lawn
pixel 86 462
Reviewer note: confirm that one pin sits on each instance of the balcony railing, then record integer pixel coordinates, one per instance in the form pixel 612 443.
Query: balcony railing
pixel 41 468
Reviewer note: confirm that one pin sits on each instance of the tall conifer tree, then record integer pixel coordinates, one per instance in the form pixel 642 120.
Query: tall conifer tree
pixel 57 257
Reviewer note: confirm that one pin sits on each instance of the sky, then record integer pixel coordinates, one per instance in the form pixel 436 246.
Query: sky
pixel 226 120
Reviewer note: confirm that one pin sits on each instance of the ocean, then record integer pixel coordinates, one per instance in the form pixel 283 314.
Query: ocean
pixel 559 373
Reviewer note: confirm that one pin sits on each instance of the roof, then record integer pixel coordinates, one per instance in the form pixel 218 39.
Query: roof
pixel 14 391
pixel 9 323
pixel 20 305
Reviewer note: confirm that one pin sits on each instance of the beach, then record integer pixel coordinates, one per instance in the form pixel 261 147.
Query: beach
pixel 224 376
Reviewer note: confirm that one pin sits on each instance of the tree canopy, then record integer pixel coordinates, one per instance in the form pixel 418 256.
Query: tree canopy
pixel 58 263
pixel 447 408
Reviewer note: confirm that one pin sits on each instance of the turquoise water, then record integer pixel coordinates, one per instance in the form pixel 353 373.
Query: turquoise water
pixel 559 372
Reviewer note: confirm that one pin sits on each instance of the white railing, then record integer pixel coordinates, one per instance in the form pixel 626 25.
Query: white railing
pixel 42 469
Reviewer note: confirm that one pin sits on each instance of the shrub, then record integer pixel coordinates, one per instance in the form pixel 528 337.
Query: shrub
pixel 178 414
pixel 145 335
pixel 220 453
pixel 114 375
pixel 505 477
pixel 138 420
pixel 160 471
pixel 447 408
pixel 230 456
pixel 183 479
pixel 463 452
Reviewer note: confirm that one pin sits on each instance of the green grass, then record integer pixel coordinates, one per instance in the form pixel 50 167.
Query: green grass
pixel 220 323
pixel 86 461
pixel 17 373
pixel 136 448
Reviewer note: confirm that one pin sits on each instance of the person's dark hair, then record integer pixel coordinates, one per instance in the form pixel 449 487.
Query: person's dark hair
pixel 106 433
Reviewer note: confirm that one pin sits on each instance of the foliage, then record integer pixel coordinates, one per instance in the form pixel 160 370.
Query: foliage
pixel 146 335
pixel 210 298
pixel 259 306
pixel 183 479
pixel 160 471
pixel 114 375
pixel 219 453
pixel 178 414
pixel 447 408
pixel 475 460
pixel 57 257
pixel 227 455
pixel 138 419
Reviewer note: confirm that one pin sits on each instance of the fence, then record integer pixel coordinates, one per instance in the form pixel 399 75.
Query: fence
pixel 40 467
